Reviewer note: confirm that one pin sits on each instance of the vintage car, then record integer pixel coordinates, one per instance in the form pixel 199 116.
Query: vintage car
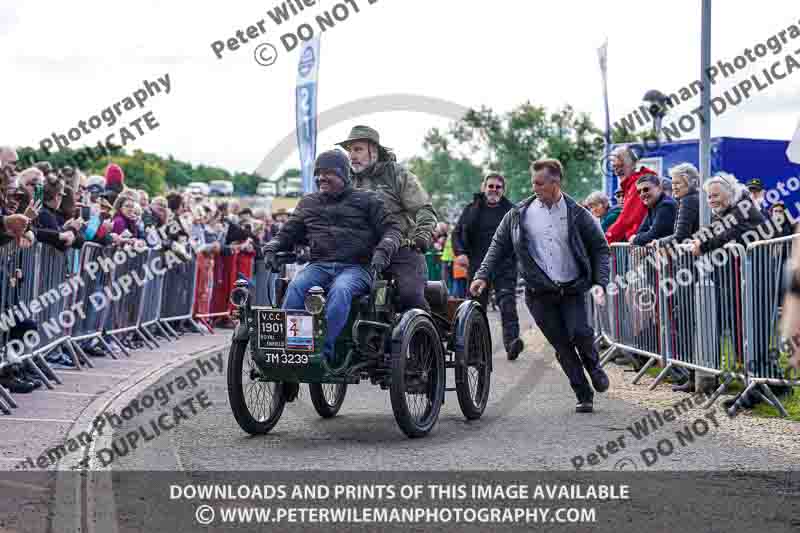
pixel 274 350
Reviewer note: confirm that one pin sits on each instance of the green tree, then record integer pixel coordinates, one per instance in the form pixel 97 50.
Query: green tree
pixel 245 183
pixel 508 143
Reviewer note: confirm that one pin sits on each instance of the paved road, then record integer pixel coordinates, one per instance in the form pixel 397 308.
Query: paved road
pixel 529 424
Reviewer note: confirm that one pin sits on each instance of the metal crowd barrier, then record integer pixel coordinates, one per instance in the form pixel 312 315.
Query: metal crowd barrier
pixel 126 296
pixel 7 272
pixel 150 310
pixel 766 352
pixel 55 295
pixel 717 313
pixel 69 298
pixel 89 328
pixel 227 267
pixel 180 281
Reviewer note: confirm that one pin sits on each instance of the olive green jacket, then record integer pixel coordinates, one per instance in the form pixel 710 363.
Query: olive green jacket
pixel 403 196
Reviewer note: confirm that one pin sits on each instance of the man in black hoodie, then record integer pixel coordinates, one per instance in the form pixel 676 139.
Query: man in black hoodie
pixel 471 240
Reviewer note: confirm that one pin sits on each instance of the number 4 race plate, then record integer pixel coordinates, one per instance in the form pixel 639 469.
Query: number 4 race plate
pixel 299 332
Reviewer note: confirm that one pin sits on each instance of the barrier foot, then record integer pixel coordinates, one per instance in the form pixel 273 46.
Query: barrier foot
pixel 644 369
pixel 107 347
pixel 163 331
pixel 169 330
pixel 722 388
pixel 773 400
pixel 121 347
pixel 150 345
pixel 5 395
pixel 45 367
pixel 661 376
pixel 4 408
pixel 608 355
pixel 81 354
pixel 38 371
pixel 738 399
pixel 74 355
pixel 196 326
pixel 146 335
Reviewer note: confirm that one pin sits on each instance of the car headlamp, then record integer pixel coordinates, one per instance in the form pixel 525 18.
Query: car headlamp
pixel 315 300
pixel 239 296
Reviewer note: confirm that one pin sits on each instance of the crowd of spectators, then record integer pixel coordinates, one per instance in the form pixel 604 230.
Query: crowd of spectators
pixel 64 208
pixel 665 212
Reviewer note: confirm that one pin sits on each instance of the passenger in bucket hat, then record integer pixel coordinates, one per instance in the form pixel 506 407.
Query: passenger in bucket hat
pixel 375 168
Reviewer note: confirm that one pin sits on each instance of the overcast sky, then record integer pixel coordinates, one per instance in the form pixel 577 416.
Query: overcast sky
pixel 65 61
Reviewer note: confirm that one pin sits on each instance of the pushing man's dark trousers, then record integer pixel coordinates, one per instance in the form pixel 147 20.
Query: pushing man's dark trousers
pixel 410 273
pixel 505 287
pixel 565 323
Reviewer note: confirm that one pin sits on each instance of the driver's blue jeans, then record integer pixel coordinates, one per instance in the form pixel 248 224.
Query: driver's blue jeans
pixel 342 282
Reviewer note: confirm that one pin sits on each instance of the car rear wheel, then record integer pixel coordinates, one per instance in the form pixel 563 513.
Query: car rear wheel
pixel 327 397
pixel 418 378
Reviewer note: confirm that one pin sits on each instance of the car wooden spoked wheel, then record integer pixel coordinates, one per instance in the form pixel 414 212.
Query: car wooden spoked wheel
pixel 257 405
pixel 473 377
pixel 418 379
pixel 327 397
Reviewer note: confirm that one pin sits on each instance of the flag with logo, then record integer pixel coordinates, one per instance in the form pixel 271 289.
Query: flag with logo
pixel 306 110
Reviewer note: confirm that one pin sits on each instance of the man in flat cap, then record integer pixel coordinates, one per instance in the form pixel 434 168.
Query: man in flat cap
pixel 375 168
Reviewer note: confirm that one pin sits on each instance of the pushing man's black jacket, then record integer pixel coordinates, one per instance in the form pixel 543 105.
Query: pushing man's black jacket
pixel 470 240
pixel 586 239
pixel 345 228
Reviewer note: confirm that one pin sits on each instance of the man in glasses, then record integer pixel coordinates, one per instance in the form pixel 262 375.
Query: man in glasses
pixel 661 211
pixel 471 240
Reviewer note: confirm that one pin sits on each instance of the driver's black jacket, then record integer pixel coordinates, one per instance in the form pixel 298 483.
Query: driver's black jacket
pixel 343 228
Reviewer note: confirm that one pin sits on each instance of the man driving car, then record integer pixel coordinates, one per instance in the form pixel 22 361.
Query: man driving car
pixel 350 233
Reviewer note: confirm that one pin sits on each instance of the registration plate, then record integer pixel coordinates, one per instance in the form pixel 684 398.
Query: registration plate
pixel 284 358
pixel 280 331
pixel 271 329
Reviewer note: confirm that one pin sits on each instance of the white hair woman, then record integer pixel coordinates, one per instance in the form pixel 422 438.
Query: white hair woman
pixel 685 182
pixel 735 217
pixel 600 206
